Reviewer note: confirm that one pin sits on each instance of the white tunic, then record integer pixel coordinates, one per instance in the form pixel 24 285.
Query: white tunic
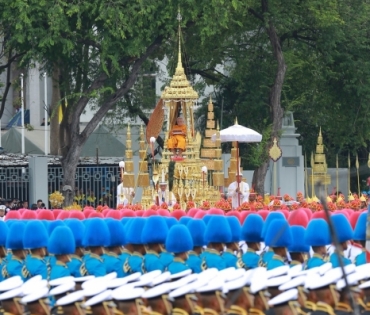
pixel 123 194
pixel 167 197
pixel 243 195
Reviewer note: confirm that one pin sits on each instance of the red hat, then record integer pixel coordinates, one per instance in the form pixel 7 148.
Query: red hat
pixel 353 218
pixel 284 212
pixel 244 214
pixel 163 212
pixel 236 214
pixel 200 214
pixel 44 214
pixel 319 215
pixel 115 214
pixel 298 217
pixel 13 215
pixel 263 214
pixel 349 211
pixel 87 212
pixel 308 212
pixel 63 215
pixel 344 213
pixel 139 213
pixel 192 212
pixel 76 214
pixel 56 213
pixel 29 215
pixel 149 213
pixel 178 214
pixel 128 213
pixel 22 210
pixel 215 211
pixel 96 215
pixel 105 212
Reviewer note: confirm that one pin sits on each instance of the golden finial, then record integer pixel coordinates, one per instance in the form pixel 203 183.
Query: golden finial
pixel 218 126
pixel 319 139
pixel 236 120
pixel 179 18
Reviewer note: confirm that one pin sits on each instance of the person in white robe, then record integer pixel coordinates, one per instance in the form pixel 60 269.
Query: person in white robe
pixel 238 195
pixel 124 194
pixel 165 196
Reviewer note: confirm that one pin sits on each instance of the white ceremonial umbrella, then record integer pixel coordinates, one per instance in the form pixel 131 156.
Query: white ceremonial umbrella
pixel 238 134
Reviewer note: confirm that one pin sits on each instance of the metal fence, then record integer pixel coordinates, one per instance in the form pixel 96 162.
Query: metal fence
pixel 14 183
pixel 94 184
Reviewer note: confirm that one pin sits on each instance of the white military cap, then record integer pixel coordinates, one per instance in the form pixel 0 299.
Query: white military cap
pixel 164 277
pixel 323 269
pixel 224 272
pixel 95 288
pixel 133 277
pixel 29 288
pixel 110 276
pixel 237 274
pixel 70 298
pixel 101 297
pixel 83 279
pixel 208 274
pixel 60 281
pixel 352 280
pixel 258 285
pixel 63 288
pixel 183 290
pixel 278 272
pixel 365 285
pixel 151 275
pixel 33 280
pixel 94 282
pixel 159 290
pixel 215 285
pixel 277 281
pixel 337 272
pixel 17 292
pixel 183 281
pixel 11 283
pixel 294 283
pixel 116 283
pixel 37 295
pixel 324 281
pixel 311 279
pixel 364 270
pixel 181 274
pixel 295 270
pixel 2 207
pixel 283 298
pixel 237 283
pixel 127 293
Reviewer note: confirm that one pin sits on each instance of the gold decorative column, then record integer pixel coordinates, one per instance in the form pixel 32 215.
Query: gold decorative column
pixel 143 174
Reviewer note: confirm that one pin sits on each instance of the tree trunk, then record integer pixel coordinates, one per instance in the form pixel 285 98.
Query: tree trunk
pixel 259 175
pixel 274 97
pixel 54 119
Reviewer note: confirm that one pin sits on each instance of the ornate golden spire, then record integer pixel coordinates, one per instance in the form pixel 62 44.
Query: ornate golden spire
pixel 180 87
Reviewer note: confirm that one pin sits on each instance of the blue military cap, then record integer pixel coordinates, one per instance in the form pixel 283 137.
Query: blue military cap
pixel 342 227
pixel 125 220
pixel 252 229
pixel 155 230
pixel 206 218
pixel 117 233
pixel 14 239
pixel 62 242
pixel 35 235
pixel 179 239
pixel 134 230
pixel 270 218
pixel 313 238
pixel 278 234
pixel 197 228
pixel 235 228
pixel 3 233
pixel 184 220
pixel 96 233
pixel 298 245
pixel 217 230
pixel 78 230
pixel 54 224
pixel 171 221
pixel 359 233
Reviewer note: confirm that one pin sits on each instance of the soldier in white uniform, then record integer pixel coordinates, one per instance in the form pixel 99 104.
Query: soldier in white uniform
pixel 241 193
pixel 164 195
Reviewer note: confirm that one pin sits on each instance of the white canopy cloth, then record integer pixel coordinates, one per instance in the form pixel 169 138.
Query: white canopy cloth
pixel 238 133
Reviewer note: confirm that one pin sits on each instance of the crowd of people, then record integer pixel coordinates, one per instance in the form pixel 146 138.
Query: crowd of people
pixel 201 262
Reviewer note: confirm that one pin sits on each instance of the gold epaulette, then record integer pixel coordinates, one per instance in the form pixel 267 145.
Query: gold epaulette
pixel 198 310
pixel 209 311
pixel 367 307
pixel 323 307
pixel 237 310
pixel 179 311
pixel 343 307
pixel 254 311
pixel 310 305
pixel 144 310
